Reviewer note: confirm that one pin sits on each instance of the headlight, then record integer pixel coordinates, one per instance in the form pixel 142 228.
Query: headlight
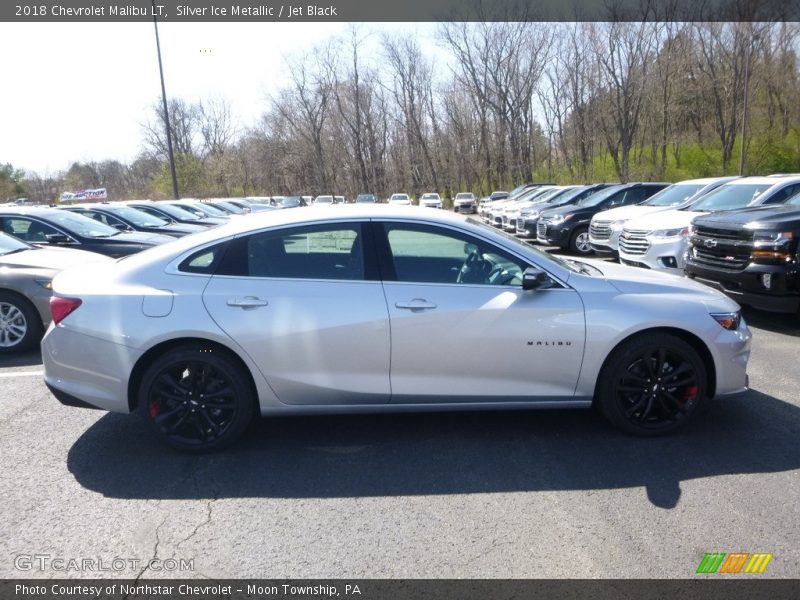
pixel 773 236
pixel 729 321
pixel 670 233
pixel 556 219
pixel 530 215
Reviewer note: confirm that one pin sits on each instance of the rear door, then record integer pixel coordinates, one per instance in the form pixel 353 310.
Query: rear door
pixel 308 308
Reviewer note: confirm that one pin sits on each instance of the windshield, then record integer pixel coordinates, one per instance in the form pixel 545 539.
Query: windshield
pixel 399 196
pixel 324 200
pixel 365 198
pixel 548 194
pixel 728 197
pixel 177 213
pixel 137 217
pixel 599 197
pixel 231 207
pixel 523 247
pixel 569 194
pixel 291 201
pixel 430 196
pixel 81 225
pixel 206 209
pixel 465 196
pixel 674 194
pixel 11 244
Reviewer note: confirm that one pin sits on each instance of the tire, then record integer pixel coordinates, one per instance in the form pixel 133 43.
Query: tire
pixel 20 325
pixel 579 241
pixel 196 398
pixel 641 398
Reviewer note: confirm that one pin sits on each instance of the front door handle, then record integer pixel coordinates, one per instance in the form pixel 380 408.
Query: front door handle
pixel 415 304
pixel 247 302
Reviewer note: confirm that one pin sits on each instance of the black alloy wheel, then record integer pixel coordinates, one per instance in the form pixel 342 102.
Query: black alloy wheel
pixel 196 399
pixel 652 384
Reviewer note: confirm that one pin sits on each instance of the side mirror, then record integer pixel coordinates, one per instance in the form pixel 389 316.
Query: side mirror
pixel 534 278
pixel 121 227
pixel 58 238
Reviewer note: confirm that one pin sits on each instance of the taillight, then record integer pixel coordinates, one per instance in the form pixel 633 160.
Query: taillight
pixel 61 307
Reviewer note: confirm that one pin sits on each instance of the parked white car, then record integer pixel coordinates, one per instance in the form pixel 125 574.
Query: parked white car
pixel 465 202
pixel 400 200
pixel 606 226
pixel 363 308
pixel 660 240
pixel 430 200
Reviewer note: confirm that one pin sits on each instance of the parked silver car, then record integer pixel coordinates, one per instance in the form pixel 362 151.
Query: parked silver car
pixel 26 273
pixel 300 312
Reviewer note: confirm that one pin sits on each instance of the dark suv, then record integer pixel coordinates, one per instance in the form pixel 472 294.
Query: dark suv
pixel 751 255
pixel 568 226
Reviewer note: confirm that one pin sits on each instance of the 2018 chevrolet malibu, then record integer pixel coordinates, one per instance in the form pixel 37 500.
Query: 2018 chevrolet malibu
pixel 374 308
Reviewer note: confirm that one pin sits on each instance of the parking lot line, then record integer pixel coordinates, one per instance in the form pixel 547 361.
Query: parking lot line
pixel 23 374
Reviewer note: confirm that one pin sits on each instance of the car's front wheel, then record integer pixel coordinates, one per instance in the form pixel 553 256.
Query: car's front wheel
pixel 579 241
pixel 652 384
pixel 196 398
pixel 20 325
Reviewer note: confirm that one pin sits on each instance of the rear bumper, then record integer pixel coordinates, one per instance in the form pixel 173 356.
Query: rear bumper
pixel 68 399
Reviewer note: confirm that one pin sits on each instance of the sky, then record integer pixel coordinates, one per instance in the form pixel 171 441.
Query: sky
pixel 80 91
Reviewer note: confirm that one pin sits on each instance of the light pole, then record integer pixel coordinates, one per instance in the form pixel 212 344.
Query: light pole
pixel 745 115
pixel 166 111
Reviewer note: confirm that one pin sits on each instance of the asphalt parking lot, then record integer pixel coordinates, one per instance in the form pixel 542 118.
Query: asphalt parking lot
pixel 533 494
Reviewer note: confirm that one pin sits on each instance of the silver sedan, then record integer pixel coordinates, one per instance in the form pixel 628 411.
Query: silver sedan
pixel 375 308
pixel 26 272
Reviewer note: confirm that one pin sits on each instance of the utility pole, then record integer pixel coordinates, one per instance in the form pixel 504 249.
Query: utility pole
pixel 166 111
pixel 742 152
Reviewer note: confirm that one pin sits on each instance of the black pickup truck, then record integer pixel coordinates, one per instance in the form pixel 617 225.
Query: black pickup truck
pixel 751 255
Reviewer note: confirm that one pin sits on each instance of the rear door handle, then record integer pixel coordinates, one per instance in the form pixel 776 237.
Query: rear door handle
pixel 247 302
pixel 415 304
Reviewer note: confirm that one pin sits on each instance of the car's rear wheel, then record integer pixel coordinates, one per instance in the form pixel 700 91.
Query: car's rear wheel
pixel 20 325
pixel 579 241
pixel 652 384
pixel 196 398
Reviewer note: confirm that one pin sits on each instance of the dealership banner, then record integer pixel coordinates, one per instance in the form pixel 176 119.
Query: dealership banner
pixel 96 194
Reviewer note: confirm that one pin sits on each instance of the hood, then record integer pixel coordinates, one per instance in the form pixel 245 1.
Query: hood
pixel 139 237
pixel 209 221
pixel 763 215
pixel 623 213
pixel 633 280
pixel 665 219
pixel 51 258
pixel 566 209
pixel 183 228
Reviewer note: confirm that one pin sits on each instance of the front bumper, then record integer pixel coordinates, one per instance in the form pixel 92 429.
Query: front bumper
pixel 607 245
pixel 553 235
pixel 746 286
pixel 465 209
pixel 666 254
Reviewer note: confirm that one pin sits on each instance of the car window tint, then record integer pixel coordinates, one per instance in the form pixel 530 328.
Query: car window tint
pixel 424 254
pixel 28 230
pixel 311 252
pixel 204 261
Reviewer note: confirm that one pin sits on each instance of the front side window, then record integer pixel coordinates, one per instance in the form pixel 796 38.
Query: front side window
pixel 428 254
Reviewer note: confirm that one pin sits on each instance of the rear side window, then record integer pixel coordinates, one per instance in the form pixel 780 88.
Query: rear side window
pixel 205 260
pixel 333 251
